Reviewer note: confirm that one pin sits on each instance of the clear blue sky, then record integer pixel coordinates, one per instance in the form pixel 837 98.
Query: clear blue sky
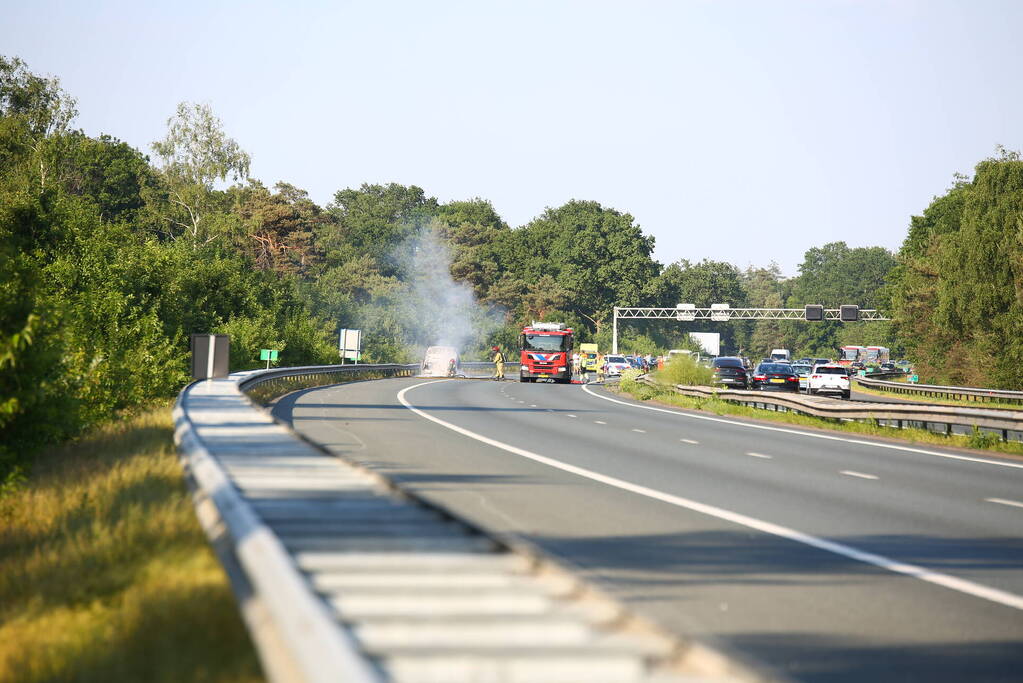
pixel 737 131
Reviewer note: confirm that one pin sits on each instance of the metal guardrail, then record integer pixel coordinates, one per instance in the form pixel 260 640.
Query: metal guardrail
pixel 341 577
pixel 1005 424
pixel 296 637
pixel 959 393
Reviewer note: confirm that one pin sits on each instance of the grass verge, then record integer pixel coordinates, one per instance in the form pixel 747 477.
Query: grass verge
pixel 105 574
pixel 977 440
pixel 1000 405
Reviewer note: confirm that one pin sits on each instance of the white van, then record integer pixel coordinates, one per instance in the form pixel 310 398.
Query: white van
pixel 781 354
pixel 441 361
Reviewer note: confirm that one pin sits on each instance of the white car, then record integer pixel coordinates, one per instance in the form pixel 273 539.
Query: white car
pixel 616 365
pixel 829 379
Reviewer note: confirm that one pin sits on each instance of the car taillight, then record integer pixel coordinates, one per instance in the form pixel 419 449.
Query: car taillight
pixel 816 376
pixel 759 376
pixel 793 379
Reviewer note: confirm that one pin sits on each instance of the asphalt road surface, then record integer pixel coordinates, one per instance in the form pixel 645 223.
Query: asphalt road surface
pixel 826 557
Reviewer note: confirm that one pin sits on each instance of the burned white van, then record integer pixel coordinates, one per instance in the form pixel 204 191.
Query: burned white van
pixel 441 361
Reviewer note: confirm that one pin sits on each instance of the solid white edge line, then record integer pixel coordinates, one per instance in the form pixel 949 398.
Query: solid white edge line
pixel 859 442
pixel 1003 501
pixel 951 582
pixel 754 454
pixel 861 475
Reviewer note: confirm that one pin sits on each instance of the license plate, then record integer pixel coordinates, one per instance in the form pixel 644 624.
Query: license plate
pixel 542 376
pixel 777 381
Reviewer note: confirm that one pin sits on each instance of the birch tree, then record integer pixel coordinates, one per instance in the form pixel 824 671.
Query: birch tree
pixel 195 155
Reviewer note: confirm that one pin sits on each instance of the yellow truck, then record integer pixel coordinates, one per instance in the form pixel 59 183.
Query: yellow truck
pixel 588 357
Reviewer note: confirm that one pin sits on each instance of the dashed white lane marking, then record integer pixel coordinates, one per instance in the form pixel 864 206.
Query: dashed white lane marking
pixel 951 582
pixel 599 422
pixel 690 441
pixel 639 431
pixel 1003 501
pixel 814 435
pixel 573 416
pixel 532 405
pixel 759 455
pixel 861 475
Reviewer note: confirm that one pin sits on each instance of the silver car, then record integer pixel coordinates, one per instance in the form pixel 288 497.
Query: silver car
pixel 803 370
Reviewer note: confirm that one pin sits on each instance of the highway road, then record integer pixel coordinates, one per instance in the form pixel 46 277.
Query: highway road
pixel 825 557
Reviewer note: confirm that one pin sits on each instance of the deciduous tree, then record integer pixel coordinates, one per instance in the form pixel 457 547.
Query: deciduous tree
pixel 195 155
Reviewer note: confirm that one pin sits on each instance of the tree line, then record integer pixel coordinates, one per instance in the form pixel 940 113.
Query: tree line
pixel 110 258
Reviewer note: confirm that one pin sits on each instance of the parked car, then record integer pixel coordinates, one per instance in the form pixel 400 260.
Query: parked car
pixel 829 379
pixel 615 365
pixel 730 371
pixel 803 370
pixel 775 376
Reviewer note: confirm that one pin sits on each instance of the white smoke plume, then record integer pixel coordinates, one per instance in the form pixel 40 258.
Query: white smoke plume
pixel 439 311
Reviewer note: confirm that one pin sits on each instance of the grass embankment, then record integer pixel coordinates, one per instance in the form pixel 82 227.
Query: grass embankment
pixel 921 398
pixel 664 394
pixel 105 574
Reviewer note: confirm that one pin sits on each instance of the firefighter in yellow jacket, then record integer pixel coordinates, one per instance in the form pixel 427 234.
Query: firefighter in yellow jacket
pixel 498 364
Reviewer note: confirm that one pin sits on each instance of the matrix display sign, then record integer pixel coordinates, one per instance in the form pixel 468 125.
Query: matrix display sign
pixel 813 312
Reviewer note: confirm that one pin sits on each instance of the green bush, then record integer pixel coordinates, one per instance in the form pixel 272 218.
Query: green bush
pixel 979 439
pixel 684 370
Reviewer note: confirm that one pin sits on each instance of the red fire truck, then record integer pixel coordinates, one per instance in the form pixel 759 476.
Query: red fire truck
pixel 546 353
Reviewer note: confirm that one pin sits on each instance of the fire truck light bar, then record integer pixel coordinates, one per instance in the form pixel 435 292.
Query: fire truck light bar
pixel 548 327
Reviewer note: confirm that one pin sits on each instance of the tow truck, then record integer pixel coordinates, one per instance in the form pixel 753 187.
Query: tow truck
pixel 546 353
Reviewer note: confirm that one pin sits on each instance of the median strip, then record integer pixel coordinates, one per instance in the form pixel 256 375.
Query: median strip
pixel 813 435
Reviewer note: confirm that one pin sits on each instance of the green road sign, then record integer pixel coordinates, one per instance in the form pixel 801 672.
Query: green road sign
pixel 268 354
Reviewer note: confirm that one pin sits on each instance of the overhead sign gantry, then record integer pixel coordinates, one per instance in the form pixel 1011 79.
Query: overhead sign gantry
pixel 724 312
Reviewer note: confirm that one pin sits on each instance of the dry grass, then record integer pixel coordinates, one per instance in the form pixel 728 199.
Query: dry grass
pixel 105 574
